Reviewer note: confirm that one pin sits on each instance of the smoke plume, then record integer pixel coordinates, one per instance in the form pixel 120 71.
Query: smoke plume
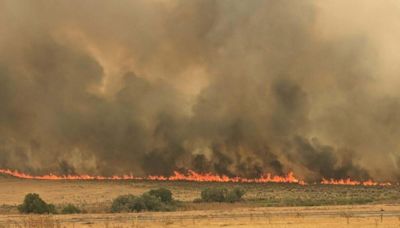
pixel 229 86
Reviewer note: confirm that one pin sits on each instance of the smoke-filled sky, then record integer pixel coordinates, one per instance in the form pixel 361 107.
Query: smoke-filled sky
pixel 226 86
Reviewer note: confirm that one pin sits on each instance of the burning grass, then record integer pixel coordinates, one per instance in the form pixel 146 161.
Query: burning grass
pixel 189 176
pixel 193 176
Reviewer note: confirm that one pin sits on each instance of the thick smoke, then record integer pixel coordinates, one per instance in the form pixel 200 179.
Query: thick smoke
pixel 229 86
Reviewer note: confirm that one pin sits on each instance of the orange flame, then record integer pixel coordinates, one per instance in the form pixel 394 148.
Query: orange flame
pixel 191 176
pixel 348 181
pixel 209 177
pixel 65 177
pixel 197 177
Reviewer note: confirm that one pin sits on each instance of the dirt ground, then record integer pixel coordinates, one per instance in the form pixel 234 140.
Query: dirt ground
pixel 264 205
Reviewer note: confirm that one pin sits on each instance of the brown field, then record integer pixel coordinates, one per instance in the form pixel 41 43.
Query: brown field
pixel 265 205
pixel 322 216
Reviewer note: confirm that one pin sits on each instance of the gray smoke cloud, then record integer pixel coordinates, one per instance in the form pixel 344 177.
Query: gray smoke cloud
pixel 231 87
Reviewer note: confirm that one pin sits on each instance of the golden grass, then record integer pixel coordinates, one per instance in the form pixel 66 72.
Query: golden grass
pixel 277 218
pixel 95 197
pixel 97 194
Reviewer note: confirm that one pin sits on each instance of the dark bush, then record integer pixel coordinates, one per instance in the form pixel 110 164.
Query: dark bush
pixel 34 204
pixel 154 200
pixel 234 195
pixel 51 208
pixel 221 195
pixel 198 200
pixel 152 203
pixel 123 203
pixel 165 195
pixel 137 205
pixel 70 209
pixel 214 194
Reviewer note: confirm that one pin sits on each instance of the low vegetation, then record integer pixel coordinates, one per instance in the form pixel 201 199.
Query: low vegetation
pixel 162 199
pixel 235 195
pixel 153 200
pixel 163 194
pixel 33 204
pixel 123 203
pixel 221 195
pixel 71 209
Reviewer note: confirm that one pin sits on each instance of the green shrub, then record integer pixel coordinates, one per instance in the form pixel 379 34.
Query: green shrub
pixel 137 205
pixel 154 200
pixel 131 203
pixel 198 200
pixel 234 195
pixel 221 195
pixel 214 194
pixel 51 208
pixel 34 204
pixel 151 202
pixel 70 209
pixel 163 194
pixel 123 203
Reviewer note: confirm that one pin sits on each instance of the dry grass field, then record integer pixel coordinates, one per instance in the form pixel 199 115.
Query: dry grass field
pixel 282 217
pixel 265 205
